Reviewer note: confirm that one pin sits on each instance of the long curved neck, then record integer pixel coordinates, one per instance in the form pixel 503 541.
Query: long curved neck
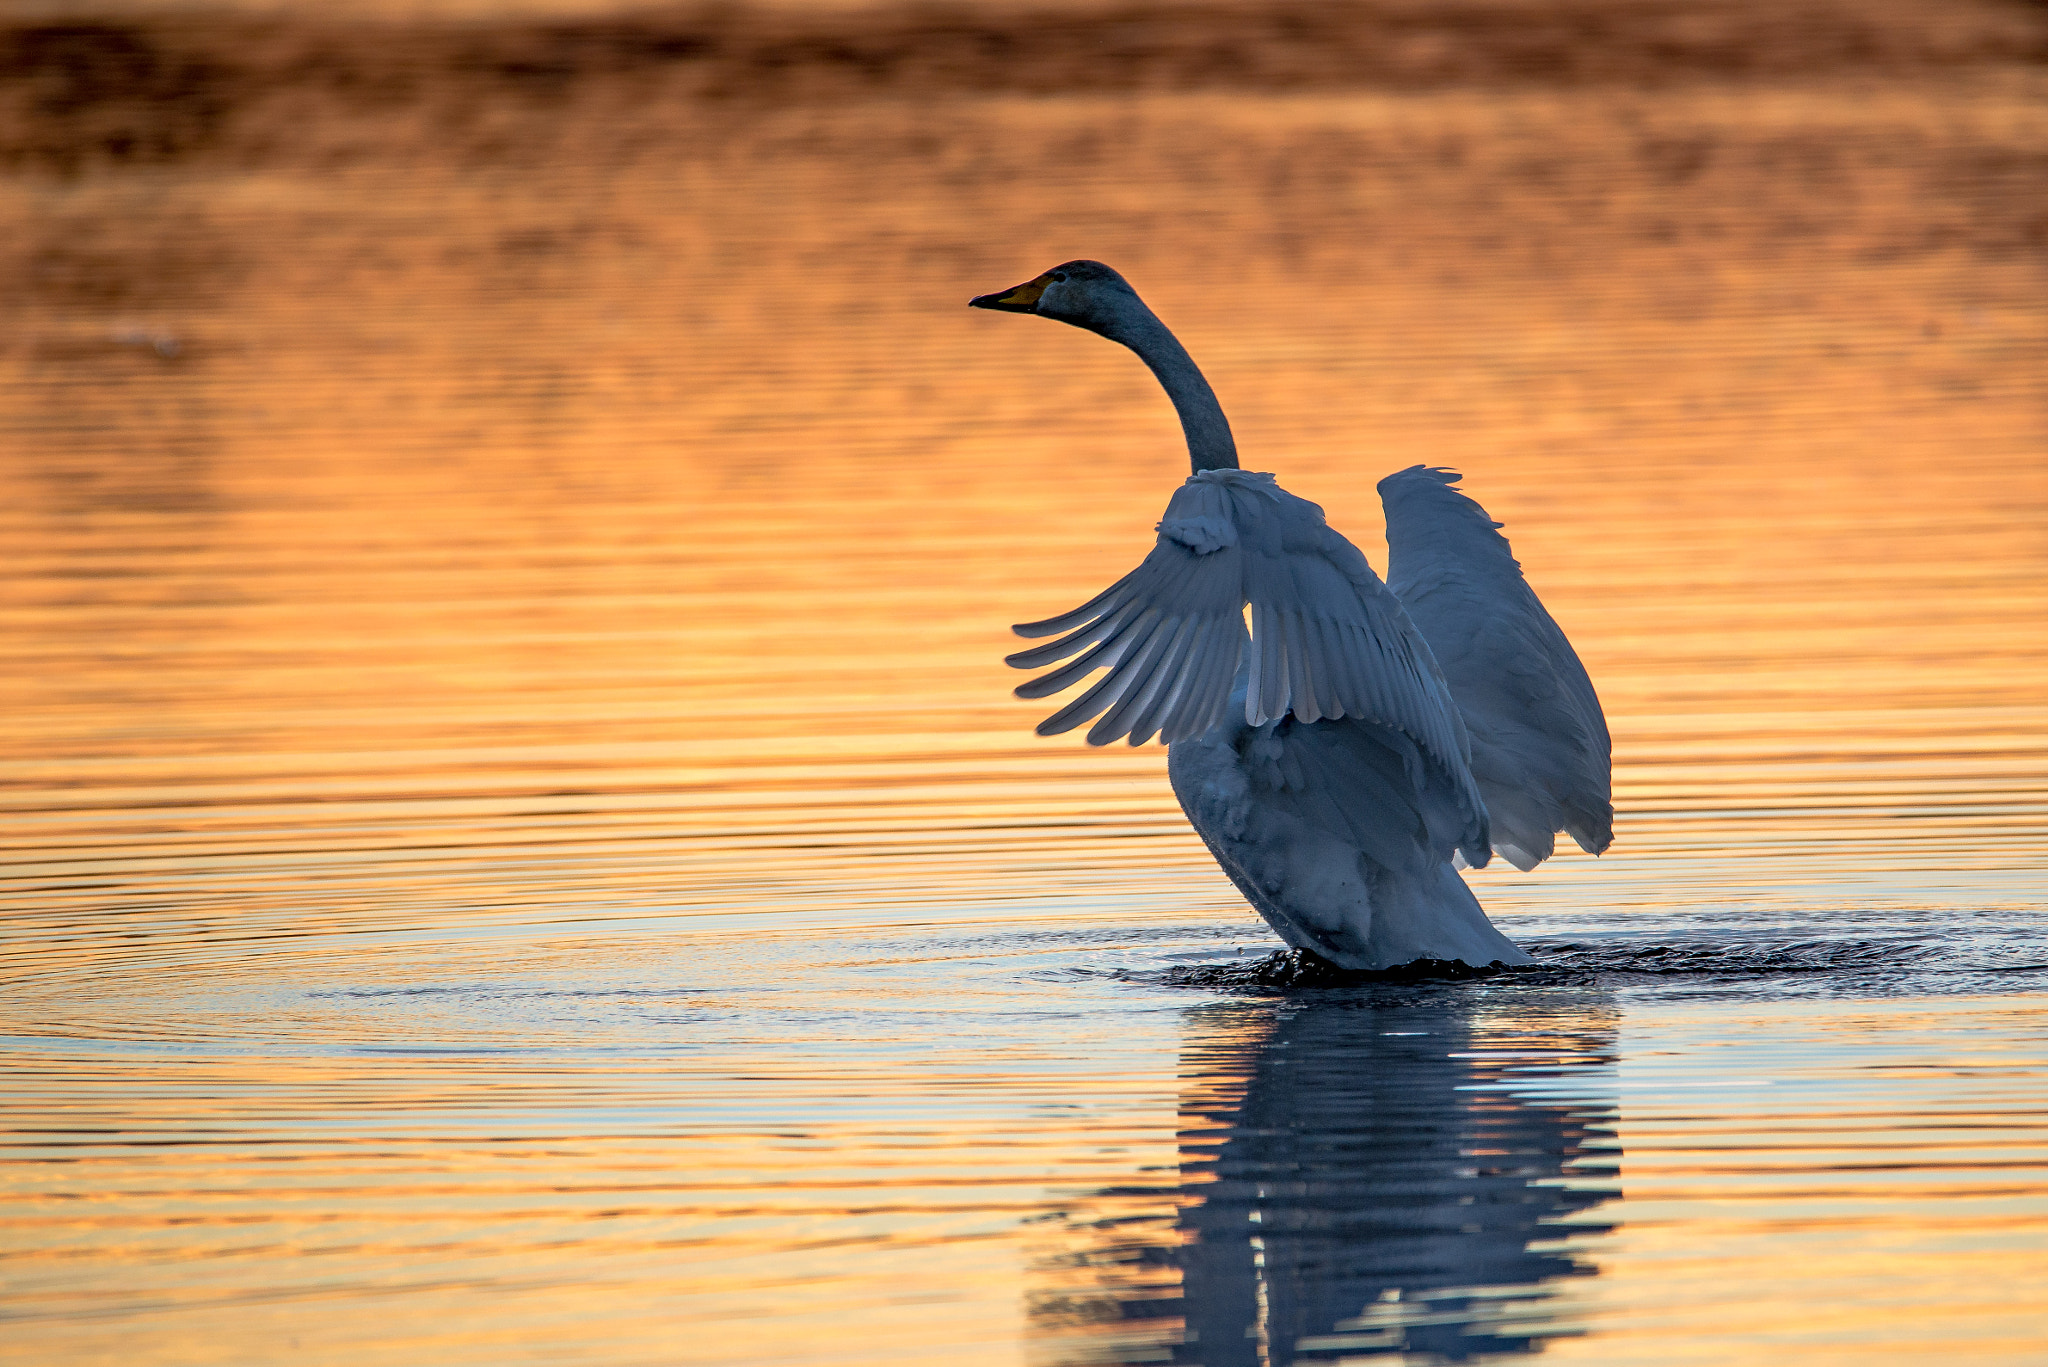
pixel 1210 445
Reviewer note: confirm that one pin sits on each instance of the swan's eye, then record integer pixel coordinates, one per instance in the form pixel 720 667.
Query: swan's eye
pixel 1059 277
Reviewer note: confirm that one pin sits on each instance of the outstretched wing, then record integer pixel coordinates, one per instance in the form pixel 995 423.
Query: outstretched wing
pixel 1327 639
pixel 1170 633
pixel 1540 749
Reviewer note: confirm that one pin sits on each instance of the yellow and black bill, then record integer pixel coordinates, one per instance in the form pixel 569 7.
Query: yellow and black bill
pixel 1019 299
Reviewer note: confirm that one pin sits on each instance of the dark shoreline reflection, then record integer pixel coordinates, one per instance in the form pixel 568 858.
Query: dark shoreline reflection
pixel 1367 1173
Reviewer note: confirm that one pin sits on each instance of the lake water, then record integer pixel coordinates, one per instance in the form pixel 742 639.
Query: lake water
pixel 521 849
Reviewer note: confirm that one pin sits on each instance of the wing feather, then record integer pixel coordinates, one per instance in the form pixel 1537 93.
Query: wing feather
pixel 1318 682
pixel 1115 616
pixel 1207 694
pixel 1327 638
pixel 1351 651
pixel 1330 647
pixel 1271 678
pixel 1094 607
pixel 1215 697
pixel 1168 678
pixel 1099 696
pixel 1075 670
pixel 1288 628
pixel 1139 675
pixel 1540 748
pixel 1180 675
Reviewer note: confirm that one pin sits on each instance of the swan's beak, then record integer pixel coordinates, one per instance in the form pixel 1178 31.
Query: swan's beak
pixel 1022 299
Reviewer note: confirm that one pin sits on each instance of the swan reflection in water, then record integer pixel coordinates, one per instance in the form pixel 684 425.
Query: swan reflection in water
pixel 1391 1172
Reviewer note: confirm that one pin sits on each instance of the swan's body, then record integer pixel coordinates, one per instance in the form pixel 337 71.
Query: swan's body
pixel 1324 759
pixel 1340 833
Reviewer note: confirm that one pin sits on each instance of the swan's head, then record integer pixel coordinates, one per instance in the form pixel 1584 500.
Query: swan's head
pixel 1087 294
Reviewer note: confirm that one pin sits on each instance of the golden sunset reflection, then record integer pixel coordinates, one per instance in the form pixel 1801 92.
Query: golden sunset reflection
pixel 522 846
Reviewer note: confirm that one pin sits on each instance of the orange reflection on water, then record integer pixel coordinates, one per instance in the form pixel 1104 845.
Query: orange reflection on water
pixel 495 566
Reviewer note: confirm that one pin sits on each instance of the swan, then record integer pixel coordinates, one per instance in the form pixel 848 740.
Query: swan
pixel 1340 760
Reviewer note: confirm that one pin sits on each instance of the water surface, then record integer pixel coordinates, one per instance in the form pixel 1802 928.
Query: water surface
pixel 522 849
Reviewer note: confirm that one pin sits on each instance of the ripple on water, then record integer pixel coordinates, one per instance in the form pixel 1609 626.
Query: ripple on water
pixel 522 850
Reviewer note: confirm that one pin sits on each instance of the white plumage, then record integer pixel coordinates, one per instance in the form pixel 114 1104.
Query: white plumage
pixel 1325 758
pixel 1540 750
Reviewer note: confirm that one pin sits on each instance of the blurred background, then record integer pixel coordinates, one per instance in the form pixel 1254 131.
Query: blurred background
pixel 496 486
pixel 461 404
